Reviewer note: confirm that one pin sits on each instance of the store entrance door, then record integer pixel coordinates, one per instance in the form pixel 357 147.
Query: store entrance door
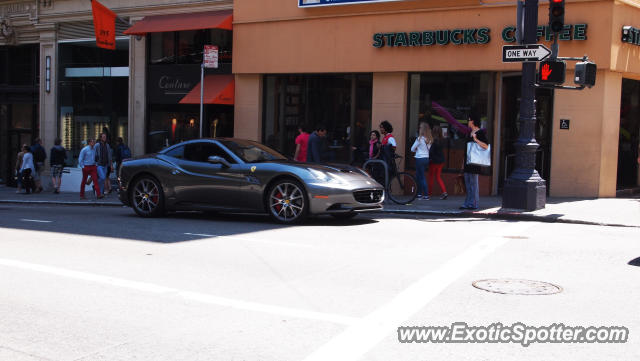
pixel 510 129
pixel 628 177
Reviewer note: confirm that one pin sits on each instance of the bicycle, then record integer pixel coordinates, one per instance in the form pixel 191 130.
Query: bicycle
pixel 401 187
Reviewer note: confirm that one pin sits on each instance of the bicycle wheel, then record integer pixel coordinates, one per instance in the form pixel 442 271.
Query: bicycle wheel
pixel 402 188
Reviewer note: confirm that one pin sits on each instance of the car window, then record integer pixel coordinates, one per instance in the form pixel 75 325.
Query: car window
pixel 252 152
pixel 177 152
pixel 201 151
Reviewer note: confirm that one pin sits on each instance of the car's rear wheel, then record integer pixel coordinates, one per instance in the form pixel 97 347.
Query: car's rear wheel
pixel 147 197
pixel 287 201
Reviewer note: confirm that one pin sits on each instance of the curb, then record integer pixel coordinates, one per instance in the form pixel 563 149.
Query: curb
pixel 63 203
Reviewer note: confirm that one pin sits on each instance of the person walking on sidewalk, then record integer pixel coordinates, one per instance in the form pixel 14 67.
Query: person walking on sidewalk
pixel 388 146
pixel 87 161
pixel 301 141
pixel 18 167
pixel 317 145
pixel 121 153
pixel 57 157
pixel 27 169
pixel 471 171
pixel 103 162
pixel 421 148
pixel 436 161
pixel 39 156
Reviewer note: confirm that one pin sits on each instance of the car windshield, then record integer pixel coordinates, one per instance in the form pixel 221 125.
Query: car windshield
pixel 252 152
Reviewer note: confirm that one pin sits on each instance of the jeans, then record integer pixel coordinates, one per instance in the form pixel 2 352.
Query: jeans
pixel 89 170
pixel 421 167
pixel 473 193
pixel 435 170
pixel 102 175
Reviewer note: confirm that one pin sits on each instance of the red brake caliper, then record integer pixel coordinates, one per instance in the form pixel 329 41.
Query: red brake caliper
pixel 278 206
pixel 155 198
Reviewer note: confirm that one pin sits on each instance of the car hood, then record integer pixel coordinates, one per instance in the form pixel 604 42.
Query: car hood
pixel 324 167
pixel 346 172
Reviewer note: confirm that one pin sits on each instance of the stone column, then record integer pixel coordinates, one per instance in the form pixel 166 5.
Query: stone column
pixel 390 103
pixel 137 93
pixel 584 159
pixel 247 118
pixel 48 112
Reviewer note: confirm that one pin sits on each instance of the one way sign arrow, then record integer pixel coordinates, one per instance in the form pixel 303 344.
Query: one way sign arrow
pixel 524 53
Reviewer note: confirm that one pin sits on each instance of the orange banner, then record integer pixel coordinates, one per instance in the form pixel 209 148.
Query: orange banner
pixel 104 24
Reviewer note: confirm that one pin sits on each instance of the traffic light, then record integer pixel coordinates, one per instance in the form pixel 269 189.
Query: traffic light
pixel 552 72
pixel 585 74
pixel 556 15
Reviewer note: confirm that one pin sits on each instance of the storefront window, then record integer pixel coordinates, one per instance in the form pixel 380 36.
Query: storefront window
pixel 92 94
pixel 171 124
pixel 162 48
pixel 341 102
pixel 460 94
pixel 186 47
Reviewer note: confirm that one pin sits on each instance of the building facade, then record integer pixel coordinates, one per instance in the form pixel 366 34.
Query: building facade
pixel 55 82
pixel 352 66
pixel 282 64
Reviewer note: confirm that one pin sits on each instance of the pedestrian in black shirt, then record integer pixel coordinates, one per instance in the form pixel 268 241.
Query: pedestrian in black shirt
pixel 471 171
pixel 56 161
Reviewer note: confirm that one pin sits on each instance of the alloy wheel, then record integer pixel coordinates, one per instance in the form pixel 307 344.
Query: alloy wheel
pixel 146 196
pixel 287 202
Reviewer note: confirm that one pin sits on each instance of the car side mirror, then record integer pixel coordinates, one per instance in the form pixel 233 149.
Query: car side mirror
pixel 214 159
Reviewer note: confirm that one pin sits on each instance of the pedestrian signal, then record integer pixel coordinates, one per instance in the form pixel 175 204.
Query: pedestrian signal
pixel 552 72
pixel 585 74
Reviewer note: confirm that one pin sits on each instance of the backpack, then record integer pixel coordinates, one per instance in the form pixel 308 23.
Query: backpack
pixel 125 152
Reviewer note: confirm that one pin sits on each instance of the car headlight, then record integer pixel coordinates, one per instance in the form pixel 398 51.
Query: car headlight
pixel 325 176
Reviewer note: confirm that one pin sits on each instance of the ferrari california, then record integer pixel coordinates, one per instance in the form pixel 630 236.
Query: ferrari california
pixel 234 175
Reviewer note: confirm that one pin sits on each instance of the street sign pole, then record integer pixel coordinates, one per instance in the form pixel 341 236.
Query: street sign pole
pixel 525 189
pixel 201 94
pixel 209 60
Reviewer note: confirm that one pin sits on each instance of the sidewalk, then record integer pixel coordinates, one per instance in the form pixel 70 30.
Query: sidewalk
pixel 597 211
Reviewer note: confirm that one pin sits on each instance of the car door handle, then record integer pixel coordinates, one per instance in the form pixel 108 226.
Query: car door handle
pixel 175 172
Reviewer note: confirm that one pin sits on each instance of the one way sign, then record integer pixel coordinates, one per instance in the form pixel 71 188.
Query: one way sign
pixel 524 53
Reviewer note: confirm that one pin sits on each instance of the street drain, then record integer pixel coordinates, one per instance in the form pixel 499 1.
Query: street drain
pixel 517 287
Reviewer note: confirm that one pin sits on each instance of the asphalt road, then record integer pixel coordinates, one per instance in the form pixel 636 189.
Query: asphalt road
pixel 99 283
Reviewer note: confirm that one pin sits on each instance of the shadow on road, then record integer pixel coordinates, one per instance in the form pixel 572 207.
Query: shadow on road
pixel 122 223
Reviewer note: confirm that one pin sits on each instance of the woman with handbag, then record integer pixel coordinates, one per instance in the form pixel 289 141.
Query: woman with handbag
pixel 476 138
pixel 421 148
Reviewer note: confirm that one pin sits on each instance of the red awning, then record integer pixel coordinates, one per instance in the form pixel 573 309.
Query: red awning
pixel 182 22
pixel 218 89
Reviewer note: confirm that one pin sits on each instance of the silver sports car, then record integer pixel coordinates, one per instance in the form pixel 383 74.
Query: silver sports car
pixel 234 175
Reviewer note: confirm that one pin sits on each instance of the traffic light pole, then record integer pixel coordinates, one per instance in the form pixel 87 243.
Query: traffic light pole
pixel 525 189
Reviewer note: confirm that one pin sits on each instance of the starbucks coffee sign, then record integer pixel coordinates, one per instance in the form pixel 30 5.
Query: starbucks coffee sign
pixel 432 37
pixel 477 36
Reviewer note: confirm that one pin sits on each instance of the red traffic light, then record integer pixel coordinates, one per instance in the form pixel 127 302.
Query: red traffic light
pixel 556 15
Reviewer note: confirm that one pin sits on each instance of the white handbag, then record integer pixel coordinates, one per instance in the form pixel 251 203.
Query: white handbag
pixel 476 155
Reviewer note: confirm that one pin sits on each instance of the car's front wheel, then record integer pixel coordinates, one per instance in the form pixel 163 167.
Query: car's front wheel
pixel 147 197
pixel 287 201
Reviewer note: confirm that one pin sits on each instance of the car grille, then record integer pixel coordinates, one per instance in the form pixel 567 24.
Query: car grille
pixel 370 196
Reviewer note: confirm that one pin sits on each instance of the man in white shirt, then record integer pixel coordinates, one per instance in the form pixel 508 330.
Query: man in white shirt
pixel 87 161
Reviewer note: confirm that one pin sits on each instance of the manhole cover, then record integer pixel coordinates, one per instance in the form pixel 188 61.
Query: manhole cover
pixel 517 287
